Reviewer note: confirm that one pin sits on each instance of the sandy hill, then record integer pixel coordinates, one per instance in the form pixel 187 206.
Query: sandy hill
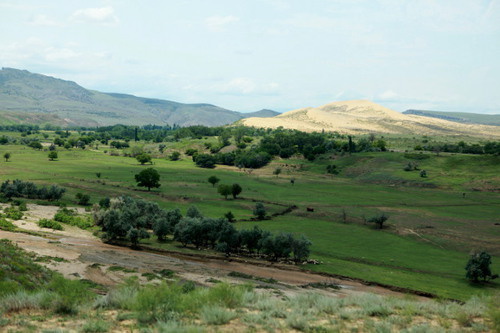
pixel 360 117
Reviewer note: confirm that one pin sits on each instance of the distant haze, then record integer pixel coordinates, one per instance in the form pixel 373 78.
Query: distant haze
pixel 273 54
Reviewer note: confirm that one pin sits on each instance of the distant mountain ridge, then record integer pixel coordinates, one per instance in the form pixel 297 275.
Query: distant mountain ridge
pixel 460 117
pixel 25 95
pixel 362 117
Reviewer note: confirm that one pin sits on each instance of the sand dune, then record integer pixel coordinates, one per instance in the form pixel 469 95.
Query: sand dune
pixel 361 117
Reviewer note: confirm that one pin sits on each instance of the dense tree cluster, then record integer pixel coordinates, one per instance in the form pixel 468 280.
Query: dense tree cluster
pixel 129 219
pixel 126 218
pixel 22 189
pixel 221 235
pixel 489 147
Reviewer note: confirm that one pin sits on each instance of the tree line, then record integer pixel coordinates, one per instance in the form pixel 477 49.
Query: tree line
pixel 128 219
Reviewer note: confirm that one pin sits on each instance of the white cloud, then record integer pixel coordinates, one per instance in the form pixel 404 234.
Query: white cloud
pixel 104 15
pixel 240 85
pixel 55 54
pixel 43 20
pixel 218 23
pixel 387 95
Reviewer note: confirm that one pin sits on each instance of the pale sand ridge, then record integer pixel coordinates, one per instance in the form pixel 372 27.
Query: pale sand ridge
pixel 362 117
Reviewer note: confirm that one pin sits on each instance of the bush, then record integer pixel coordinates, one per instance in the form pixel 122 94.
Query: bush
pixel 216 315
pixel 205 161
pixel 143 158
pixel 83 199
pixel 13 213
pixel 175 156
pixel 51 224
pixel 6 225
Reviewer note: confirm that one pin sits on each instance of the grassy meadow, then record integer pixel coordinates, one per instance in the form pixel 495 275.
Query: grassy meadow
pixel 435 222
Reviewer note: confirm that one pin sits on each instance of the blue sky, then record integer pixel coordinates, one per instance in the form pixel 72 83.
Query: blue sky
pixel 282 55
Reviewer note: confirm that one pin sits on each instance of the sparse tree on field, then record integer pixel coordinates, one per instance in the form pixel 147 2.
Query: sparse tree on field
pixel 292 181
pixel 6 156
pixel 148 178
pixel 478 267
pixel 83 199
pixel 175 156
pixel 379 219
pixel 52 155
pixel 213 180
pixel 225 190
pixel 277 172
pixel 194 212
pixel 235 190
pixel 143 158
pixel 259 211
pixel 229 216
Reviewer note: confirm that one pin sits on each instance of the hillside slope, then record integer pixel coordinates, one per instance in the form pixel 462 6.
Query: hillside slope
pixel 24 94
pixel 361 117
pixel 460 117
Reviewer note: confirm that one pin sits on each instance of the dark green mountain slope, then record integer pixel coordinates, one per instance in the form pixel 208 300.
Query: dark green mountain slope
pixel 25 95
pixel 460 117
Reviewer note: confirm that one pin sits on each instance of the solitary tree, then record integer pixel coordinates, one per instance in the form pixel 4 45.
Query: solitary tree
pixel 225 190
pixel 175 156
pixel 143 158
pixel 213 180
pixel 379 219
pixel 52 155
pixel 259 211
pixel 235 190
pixel 478 267
pixel 148 178
pixel 277 172
pixel 6 156
pixel 83 199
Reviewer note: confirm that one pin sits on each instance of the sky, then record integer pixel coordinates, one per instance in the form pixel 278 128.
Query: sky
pixel 247 55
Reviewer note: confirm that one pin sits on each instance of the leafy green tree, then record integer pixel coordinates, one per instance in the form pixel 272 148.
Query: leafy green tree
pixel 83 199
pixel 236 190
pixel 213 180
pixel 478 267
pixel 225 190
pixel 250 238
pixel 135 235
pixel 6 156
pixel 35 145
pixel 277 172
pixel 204 160
pixel 175 156
pixel 229 216
pixel 143 158
pixel 148 178
pixel 194 212
pixel 52 155
pixel 379 219
pixel 301 248
pixel 259 211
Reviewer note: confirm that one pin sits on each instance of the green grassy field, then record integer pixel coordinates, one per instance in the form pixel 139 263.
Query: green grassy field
pixel 431 230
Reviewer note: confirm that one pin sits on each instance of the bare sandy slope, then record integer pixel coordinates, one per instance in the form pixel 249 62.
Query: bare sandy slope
pixel 361 117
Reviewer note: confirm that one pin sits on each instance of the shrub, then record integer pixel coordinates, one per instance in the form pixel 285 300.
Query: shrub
pixel 83 199
pixel 205 161
pixel 216 315
pixel 13 213
pixel 143 158
pixel 95 326
pixel 6 225
pixel 174 156
pixel 52 155
pixel 51 224
pixel 191 151
pixel 71 293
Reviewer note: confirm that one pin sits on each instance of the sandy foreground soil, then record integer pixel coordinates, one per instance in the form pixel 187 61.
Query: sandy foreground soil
pixel 87 257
